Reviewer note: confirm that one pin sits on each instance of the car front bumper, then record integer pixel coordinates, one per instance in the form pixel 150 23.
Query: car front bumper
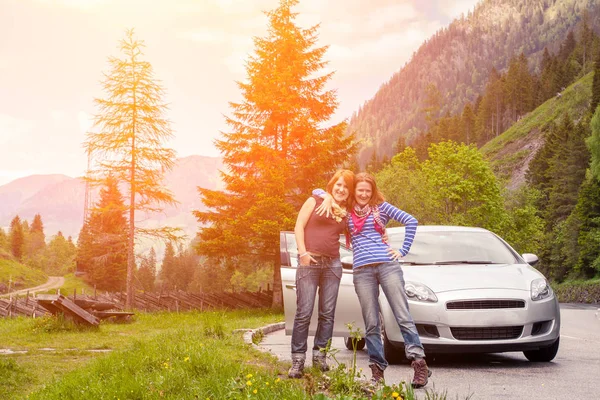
pixel 535 325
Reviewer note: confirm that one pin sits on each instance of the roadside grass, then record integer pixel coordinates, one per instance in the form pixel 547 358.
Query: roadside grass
pixel 191 355
pixel 162 355
pixel 24 275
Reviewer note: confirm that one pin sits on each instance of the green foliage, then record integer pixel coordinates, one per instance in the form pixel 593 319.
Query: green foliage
pixel 102 243
pixel 524 229
pixel 12 272
pixel 60 255
pixel 17 238
pixel 596 86
pixel 128 142
pixel 278 149
pixel 146 273
pixel 471 46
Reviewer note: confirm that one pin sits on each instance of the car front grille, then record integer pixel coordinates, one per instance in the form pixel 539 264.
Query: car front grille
pixel 484 304
pixel 492 333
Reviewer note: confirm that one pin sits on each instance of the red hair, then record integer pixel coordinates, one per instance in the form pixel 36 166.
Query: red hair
pixel 348 177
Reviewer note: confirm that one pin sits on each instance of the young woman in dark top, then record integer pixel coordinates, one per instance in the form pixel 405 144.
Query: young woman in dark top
pixel 319 268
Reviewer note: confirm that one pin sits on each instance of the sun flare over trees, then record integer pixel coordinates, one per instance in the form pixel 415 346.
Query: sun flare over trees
pixel 278 148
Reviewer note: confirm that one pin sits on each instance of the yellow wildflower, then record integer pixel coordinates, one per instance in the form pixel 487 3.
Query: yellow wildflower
pixel 395 395
pixel 249 383
pixel 255 391
pixel 249 376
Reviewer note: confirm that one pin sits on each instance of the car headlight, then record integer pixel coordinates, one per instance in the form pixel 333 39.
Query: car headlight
pixel 540 289
pixel 419 292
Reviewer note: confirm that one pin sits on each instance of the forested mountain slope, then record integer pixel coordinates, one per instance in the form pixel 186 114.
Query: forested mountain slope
pixel 457 60
pixel 511 152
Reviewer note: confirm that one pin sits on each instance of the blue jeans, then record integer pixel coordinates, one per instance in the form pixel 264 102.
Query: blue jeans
pixel 367 280
pixel 324 276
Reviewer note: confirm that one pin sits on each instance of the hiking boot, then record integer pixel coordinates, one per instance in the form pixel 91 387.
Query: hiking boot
pixel 377 374
pixel 422 373
pixel 297 369
pixel 319 360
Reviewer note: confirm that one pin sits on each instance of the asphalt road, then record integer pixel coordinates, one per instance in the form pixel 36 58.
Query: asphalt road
pixel 574 373
pixel 53 282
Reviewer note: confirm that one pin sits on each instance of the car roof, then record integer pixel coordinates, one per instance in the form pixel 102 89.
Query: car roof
pixel 433 228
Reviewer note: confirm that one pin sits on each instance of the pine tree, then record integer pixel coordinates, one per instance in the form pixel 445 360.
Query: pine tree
pixel 17 238
pixel 3 241
pixel 131 129
pixel 468 123
pixel 37 238
pixel 279 147
pixel 102 252
pixel 146 274
pixel 596 86
pixel 167 269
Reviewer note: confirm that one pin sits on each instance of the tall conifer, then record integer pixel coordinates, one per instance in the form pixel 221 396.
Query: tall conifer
pixel 278 148
pixel 129 142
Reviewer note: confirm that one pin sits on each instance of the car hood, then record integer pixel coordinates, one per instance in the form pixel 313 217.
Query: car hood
pixel 444 278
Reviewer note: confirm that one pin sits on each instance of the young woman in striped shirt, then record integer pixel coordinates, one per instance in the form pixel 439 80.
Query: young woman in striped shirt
pixel 375 264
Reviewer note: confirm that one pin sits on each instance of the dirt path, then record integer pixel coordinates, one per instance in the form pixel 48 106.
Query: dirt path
pixel 54 282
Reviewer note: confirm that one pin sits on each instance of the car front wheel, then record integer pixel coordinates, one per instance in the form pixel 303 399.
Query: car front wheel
pixel 359 344
pixel 544 354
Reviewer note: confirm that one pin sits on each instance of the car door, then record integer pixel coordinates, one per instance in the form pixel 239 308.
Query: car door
pixel 347 308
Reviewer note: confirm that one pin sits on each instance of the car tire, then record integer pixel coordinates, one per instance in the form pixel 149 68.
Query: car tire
pixel 393 354
pixel 359 345
pixel 545 354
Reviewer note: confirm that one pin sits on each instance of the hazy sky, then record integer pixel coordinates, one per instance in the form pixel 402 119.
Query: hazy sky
pixel 53 55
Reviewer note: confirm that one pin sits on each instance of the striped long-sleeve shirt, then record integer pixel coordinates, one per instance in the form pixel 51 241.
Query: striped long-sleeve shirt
pixel 367 245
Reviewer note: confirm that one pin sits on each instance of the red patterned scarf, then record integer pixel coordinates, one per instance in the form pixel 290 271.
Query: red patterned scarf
pixel 359 216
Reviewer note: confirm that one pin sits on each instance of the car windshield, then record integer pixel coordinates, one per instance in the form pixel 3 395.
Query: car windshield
pixel 445 247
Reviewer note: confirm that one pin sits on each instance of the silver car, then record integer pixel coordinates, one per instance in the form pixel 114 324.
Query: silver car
pixel 468 290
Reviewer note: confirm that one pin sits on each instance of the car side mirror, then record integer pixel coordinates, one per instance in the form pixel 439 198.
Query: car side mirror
pixel 530 259
pixel 347 262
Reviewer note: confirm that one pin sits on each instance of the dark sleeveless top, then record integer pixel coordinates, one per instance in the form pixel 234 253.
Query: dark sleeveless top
pixel 322 234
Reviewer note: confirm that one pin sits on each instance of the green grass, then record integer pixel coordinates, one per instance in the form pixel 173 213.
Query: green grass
pixel 575 100
pixel 26 276
pixel 190 355
pixel 165 355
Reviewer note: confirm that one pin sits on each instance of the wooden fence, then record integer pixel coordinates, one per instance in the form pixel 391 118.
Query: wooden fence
pixel 149 302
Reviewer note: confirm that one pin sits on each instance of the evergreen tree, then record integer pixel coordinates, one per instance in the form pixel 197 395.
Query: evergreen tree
pixel 468 123
pixel 4 242
pixel 146 274
pixel 103 241
pixel 278 149
pixel 131 129
pixel 37 239
pixel 587 213
pixel 168 267
pixel 17 238
pixel 596 86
